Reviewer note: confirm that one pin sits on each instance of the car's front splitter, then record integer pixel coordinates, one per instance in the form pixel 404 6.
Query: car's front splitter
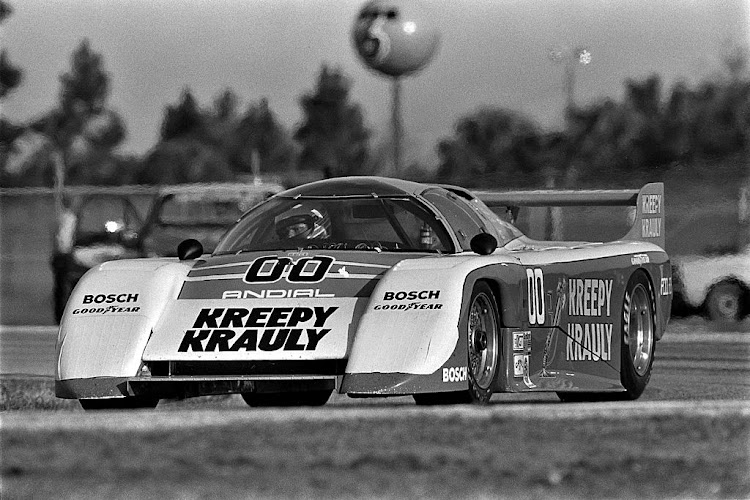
pixel 402 384
pixel 96 387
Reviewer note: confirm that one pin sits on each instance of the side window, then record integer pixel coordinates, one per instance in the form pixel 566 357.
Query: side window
pixel 464 223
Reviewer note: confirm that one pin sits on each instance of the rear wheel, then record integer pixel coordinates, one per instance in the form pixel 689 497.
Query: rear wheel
pixel 126 403
pixel 307 398
pixel 724 302
pixel 483 348
pixel 639 341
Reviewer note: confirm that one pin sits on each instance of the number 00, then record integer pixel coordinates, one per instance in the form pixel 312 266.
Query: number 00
pixel 535 295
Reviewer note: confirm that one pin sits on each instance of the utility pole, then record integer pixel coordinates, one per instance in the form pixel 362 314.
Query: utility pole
pixel 571 58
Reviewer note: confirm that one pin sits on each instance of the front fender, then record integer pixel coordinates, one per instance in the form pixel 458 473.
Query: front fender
pixel 110 315
pixel 409 333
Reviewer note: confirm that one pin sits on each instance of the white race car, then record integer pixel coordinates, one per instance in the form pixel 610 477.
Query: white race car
pixel 371 286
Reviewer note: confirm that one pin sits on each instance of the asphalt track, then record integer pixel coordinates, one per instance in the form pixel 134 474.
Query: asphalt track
pixel 697 371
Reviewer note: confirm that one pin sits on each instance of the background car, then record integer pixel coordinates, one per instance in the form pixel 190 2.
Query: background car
pixel 104 226
pixel 716 282
pixel 93 228
pixel 199 211
pixel 717 286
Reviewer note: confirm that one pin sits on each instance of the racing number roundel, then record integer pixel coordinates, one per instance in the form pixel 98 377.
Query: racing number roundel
pixel 535 295
pixel 305 270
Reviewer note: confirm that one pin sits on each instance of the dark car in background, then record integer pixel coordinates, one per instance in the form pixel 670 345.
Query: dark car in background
pixel 202 212
pixel 92 229
pixel 104 226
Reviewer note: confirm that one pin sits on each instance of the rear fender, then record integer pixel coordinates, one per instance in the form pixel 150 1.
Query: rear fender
pixel 110 315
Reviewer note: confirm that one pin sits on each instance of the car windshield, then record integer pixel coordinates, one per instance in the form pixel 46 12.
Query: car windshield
pixel 343 223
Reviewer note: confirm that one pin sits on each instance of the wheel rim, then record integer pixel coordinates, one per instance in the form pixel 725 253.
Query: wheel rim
pixel 483 349
pixel 640 332
pixel 728 304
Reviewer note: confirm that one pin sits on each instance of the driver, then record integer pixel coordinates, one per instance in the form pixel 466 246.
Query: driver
pixel 300 224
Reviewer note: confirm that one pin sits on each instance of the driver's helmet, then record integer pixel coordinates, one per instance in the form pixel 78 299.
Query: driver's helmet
pixel 301 223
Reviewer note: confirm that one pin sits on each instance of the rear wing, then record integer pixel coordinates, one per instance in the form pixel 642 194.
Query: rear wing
pixel 648 201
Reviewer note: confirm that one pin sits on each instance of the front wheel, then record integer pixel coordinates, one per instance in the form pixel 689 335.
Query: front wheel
pixel 483 348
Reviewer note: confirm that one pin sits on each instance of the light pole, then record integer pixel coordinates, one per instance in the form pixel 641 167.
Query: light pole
pixel 571 58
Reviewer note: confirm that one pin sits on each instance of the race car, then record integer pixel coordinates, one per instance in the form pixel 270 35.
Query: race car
pixel 376 287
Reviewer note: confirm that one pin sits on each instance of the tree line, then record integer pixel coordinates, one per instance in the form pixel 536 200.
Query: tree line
pixel 638 137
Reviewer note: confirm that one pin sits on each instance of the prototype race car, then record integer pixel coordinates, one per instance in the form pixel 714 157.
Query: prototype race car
pixel 371 286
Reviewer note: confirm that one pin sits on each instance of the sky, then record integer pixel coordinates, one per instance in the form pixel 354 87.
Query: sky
pixel 491 53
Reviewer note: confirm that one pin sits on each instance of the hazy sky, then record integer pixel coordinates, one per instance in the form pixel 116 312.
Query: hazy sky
pixel 492 52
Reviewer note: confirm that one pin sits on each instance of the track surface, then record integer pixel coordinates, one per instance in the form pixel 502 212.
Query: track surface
pixel 688 436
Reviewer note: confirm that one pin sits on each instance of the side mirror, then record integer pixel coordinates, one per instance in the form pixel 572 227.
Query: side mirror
pixel 483 244
pixel 189 249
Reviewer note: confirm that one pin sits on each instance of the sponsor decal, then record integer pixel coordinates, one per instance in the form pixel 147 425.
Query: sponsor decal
pixel 535 296
pixel 651 204
pixel 666 286
pixel 457 374
pixel 106 310
pixel 521 368
pixel 639 259
pixel 110 298
pixel 298 253
pixel 257 329
pixel 272 268
pixel 651 228
pixel 413 295
pixel 522 341
pixel 304 293
pixel 589 342
pixel 589 297
pixel 407 307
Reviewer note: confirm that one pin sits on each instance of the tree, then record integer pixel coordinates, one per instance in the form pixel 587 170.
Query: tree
pixel 491 147
pixel 333 136
pixel 259 134
pixel 201 144
pixel 183 159
pixel 81 132
pixel 10 75
pixel 183 119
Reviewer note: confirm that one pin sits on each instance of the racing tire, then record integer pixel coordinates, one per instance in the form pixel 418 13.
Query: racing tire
pixel 266 399
pixel 637 346
pixel 638 336
pixel 126 403
pixel 724 302
pixel 482 334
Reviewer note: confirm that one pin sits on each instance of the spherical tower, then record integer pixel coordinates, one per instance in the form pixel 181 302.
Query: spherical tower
pixel 396 38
